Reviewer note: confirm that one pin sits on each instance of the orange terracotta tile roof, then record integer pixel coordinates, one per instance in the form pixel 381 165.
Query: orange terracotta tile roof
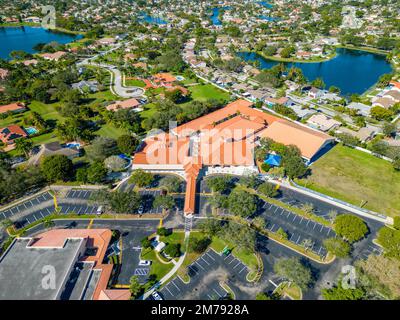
pixel 53 56
pixel 242 107
pixel 309 141
pixel 3 73
pixel 12 107
pixel 164 77
pixel 121 294
pixel 12 132
pixel 126 104
pixel 395 83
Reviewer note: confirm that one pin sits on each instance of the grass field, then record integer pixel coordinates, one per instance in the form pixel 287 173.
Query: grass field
pixel 358 178
pixel 204 92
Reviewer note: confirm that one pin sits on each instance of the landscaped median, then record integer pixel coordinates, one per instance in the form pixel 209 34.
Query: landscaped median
pixel 296 210
pixel 329 258
pixel 290 290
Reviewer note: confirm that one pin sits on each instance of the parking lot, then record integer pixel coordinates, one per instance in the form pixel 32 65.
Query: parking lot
pixel 205 275
pixel 79 194
pixel 27 206
pixel 297 227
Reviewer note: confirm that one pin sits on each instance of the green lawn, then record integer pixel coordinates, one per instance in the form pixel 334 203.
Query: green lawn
pixel 135 83
pixel 204 92
pixel 111 131
pixel 355 176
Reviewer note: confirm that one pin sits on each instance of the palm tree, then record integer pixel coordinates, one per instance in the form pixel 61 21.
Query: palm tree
pixel 6 223
pixel 307 244
pixel 48 223
pixel 24 145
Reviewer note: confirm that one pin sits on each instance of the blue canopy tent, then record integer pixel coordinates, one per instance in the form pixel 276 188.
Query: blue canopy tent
pixel 273 160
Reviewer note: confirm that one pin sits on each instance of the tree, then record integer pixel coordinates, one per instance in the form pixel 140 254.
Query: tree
pixel 282 233
pixel 263 296
pixel 141 178
pixel 115 163
pixel 318 83
pixel 101 148
pixel 308 208
pixel 146 243
pixel 6 223
pixel 173 250
pixel 396 222
pixel 48 223
pixel 339 293
pixel 389 239
pixel 166 202
pixel 199 245
pixel 135 287
pixel 380 113
pixel 210 227
pixel 350 227
pixel 219 183
pixel 348 139
pixel 389 129
pixel 268 189
pixel 171 183
pixel 239 235
pixel 24 146
pixel 259 223
pixel 96 172
pixel 337 247
pixel 242 203
pixel 293 270
pixel 127 144
pixel 57 168
pixel 294 167
pixel 118 201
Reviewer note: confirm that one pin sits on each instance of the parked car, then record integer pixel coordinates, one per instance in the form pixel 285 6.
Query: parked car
pixel 156 296
pixel 99 210
pixel 141 210
pixel 144 263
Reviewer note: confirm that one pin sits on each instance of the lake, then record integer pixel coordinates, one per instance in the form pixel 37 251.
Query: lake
pixel 352 71
pixel 215 15
pixel 25 38
pixel 150 19
pixel 265 4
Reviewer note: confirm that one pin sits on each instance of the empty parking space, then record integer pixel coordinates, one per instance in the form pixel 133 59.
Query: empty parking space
pixel 26 206
pixel 34 216
pixel 299 229
pixel 202 285
pixel 77 209
pixel 79 194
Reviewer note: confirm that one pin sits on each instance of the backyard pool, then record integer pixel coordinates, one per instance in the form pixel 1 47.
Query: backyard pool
pixel 31 131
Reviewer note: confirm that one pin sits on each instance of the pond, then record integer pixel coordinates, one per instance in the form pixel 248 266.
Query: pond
pixel 215 15
pixel 25 38
pixel 265 4
pixel 352 71
pixel 151 19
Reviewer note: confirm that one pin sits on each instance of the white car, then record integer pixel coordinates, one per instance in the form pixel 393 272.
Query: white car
pixel 156 296
pixel 141 210
pixel 144 263
pixel 99 210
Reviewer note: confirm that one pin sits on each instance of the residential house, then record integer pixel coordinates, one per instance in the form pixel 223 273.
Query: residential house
pixel 126 104
pixel 13 107
pixel 322 122
pixel 9 134
pixel 53 56
pixel 54 148
pixel 362 108
pixel 83 86
pixel 3 73
pixel 315 93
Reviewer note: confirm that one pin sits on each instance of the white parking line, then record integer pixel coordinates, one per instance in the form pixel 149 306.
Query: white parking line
pixel 237 265
pixel 204 260
pixel 232 260
pixel 291 236
pixel 41 214
pixel 294 217
pixel 298 239
pixel 200 265
pixel 270 207
pixel 242 269
pixel 301 220
pixel 210 256
pixel 49 212
pixel 319 249
pixel 28 220
pixel 275 285
pixel 276 209
pixel 193 269
pixel 308 223
pixel 272 227
pixel 4 215
pixel 217 292
pixel 329 231
pixel 314 226
pixel 166 287
pixel 322 227
pixel 176 286
pixel 288 214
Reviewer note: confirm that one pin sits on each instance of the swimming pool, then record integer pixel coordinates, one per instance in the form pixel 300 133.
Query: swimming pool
pixel 73 145
pixel 31 130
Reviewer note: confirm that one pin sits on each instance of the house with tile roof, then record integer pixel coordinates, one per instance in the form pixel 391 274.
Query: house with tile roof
pixel 9 134
pixel 13 107
pixel 222 140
